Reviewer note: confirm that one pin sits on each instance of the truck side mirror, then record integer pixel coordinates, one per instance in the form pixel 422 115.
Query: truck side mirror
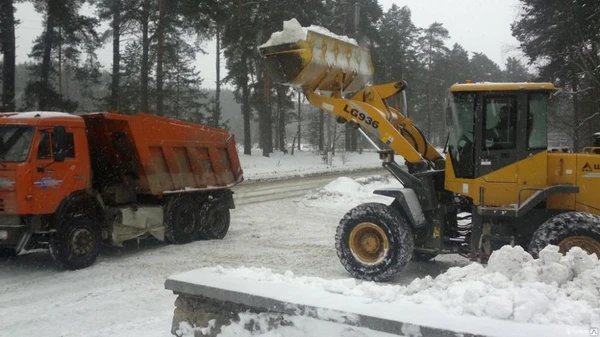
pixel 59 143
pixel 449 116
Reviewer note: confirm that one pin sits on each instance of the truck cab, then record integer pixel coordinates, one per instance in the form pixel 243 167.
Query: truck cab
pixel 43 159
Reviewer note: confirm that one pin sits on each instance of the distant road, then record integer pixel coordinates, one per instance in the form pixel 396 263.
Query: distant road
pixel 254 192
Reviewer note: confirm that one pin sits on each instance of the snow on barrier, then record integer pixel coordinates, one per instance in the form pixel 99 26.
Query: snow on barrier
pixel 514 296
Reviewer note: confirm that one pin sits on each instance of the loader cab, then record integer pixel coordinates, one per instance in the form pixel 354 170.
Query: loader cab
pixel 494 125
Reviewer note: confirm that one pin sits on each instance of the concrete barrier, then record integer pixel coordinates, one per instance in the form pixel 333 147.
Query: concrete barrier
pixel 204 295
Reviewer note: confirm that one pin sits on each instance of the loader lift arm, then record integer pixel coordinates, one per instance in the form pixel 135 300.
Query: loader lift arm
pixel 368 110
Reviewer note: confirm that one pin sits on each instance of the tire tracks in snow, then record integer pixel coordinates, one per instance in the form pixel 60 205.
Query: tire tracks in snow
pixel 255 192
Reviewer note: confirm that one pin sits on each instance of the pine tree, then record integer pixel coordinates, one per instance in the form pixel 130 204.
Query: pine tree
pixel 484 69
pixel 121 15
pixel 432 42
pixel 515 71
pixel 65 30
pixel 8 46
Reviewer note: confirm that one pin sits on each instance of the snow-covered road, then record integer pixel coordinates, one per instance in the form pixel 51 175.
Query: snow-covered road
pixel 123 293
pixel 251 192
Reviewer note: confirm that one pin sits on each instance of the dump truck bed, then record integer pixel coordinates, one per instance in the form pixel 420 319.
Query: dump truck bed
pixel 159 155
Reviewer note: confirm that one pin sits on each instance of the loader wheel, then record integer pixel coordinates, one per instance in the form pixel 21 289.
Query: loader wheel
pixel 567 230
pixel 215 221
pixel 423 257
pixel 76 244
pixel 374 242
pixel 182 220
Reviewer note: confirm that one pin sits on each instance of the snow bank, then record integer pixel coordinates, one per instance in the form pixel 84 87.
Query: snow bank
pixel 553 289
pixel 280 166
pixel 294 32
pixel 346 191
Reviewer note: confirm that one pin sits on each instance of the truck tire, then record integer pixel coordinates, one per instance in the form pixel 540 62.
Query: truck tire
pixel 215 221
pixel 374 242
pixel 423 257
pixel 7 252
pixel 182 219
pixel 568 230
pixel 76 244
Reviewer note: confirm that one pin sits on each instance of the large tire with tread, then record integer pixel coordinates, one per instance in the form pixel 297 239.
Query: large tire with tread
pixel 76 244
pixel 216 218
pixel 567 230
pixel 374 242
pixel 423 257
pixel 7 252
pixel 182 220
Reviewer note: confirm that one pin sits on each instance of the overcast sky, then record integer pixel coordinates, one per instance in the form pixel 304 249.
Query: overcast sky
pixel 478 25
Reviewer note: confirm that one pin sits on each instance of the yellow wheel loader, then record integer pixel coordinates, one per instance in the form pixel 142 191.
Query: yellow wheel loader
pixel 498 184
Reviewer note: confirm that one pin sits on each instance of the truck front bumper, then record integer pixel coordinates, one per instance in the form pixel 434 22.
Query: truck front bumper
pixel 13 232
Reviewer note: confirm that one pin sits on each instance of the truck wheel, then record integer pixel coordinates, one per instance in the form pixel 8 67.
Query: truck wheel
pixel 423 257
pixel 567 230
pixel 7 252
pixel 77 244
pixel 374 242
pixel 215 221
pixel 182 220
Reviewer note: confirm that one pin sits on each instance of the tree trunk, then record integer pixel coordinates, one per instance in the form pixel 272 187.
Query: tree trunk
pixel 246 113
pixel 178 83
pixel 45 71
pixel 160 53
pixel 116 70
pixel 217 108
pixel 576 114
pixel 145 47
pixel 347 137
pixel 321 130
pixel 299 135
pixel 281 96
pixel 60 61
pixel 266 127
pixel 7 20
pixel 429 87
pixel 329 133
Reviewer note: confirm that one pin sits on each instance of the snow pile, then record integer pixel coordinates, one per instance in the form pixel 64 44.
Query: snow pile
pixel 552 289
pixel 294 32
pixel 346 191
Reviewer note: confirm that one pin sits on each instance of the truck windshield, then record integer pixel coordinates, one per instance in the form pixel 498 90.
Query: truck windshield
pixel 460 142
pixel 15 143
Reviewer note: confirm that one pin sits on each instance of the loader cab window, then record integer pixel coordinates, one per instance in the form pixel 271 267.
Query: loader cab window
pixel 536 121
pixel 462 133
pixel 500 121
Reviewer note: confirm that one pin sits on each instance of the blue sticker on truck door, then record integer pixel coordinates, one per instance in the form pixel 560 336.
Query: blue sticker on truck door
pixel 47 182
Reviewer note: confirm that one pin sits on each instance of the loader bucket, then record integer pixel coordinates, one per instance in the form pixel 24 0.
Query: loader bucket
pixel 319 62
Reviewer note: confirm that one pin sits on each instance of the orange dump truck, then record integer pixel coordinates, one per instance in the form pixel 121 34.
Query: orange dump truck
pixel 69 183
